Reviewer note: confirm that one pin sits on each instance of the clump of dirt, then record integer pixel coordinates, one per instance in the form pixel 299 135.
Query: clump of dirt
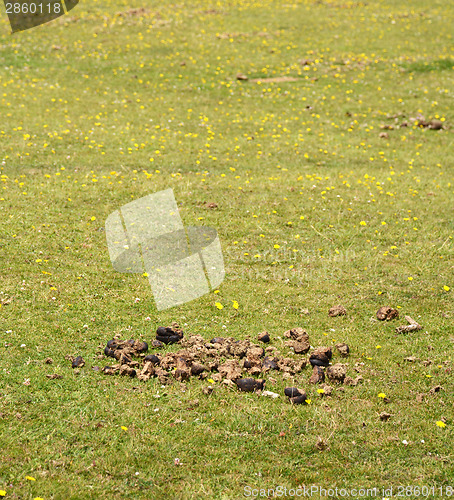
pixel 299 400
pixel 353 381
pixel 295 395
pixel 231 369
pixel 387 313
pixel 116 348
pixel 250 384
pixel 292 392
pixel 321 356
pixel 436 125
pixel 264 337
pixel 111 370
pixel 270 364
pixel 169 334
pixel 343 349
pixel 127 370
pixel 327 390
pixel 336 373
pixel 300 340
pixel 318 375
pixel 430 124
pixel 337 311
pixel 153 358
pixel 291 366
pixel 78 362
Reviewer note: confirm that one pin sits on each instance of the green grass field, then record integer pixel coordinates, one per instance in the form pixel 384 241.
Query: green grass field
pixel 330 190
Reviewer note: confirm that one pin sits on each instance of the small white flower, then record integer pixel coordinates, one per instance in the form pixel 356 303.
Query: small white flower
pixel 23 345
pixel 405 442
